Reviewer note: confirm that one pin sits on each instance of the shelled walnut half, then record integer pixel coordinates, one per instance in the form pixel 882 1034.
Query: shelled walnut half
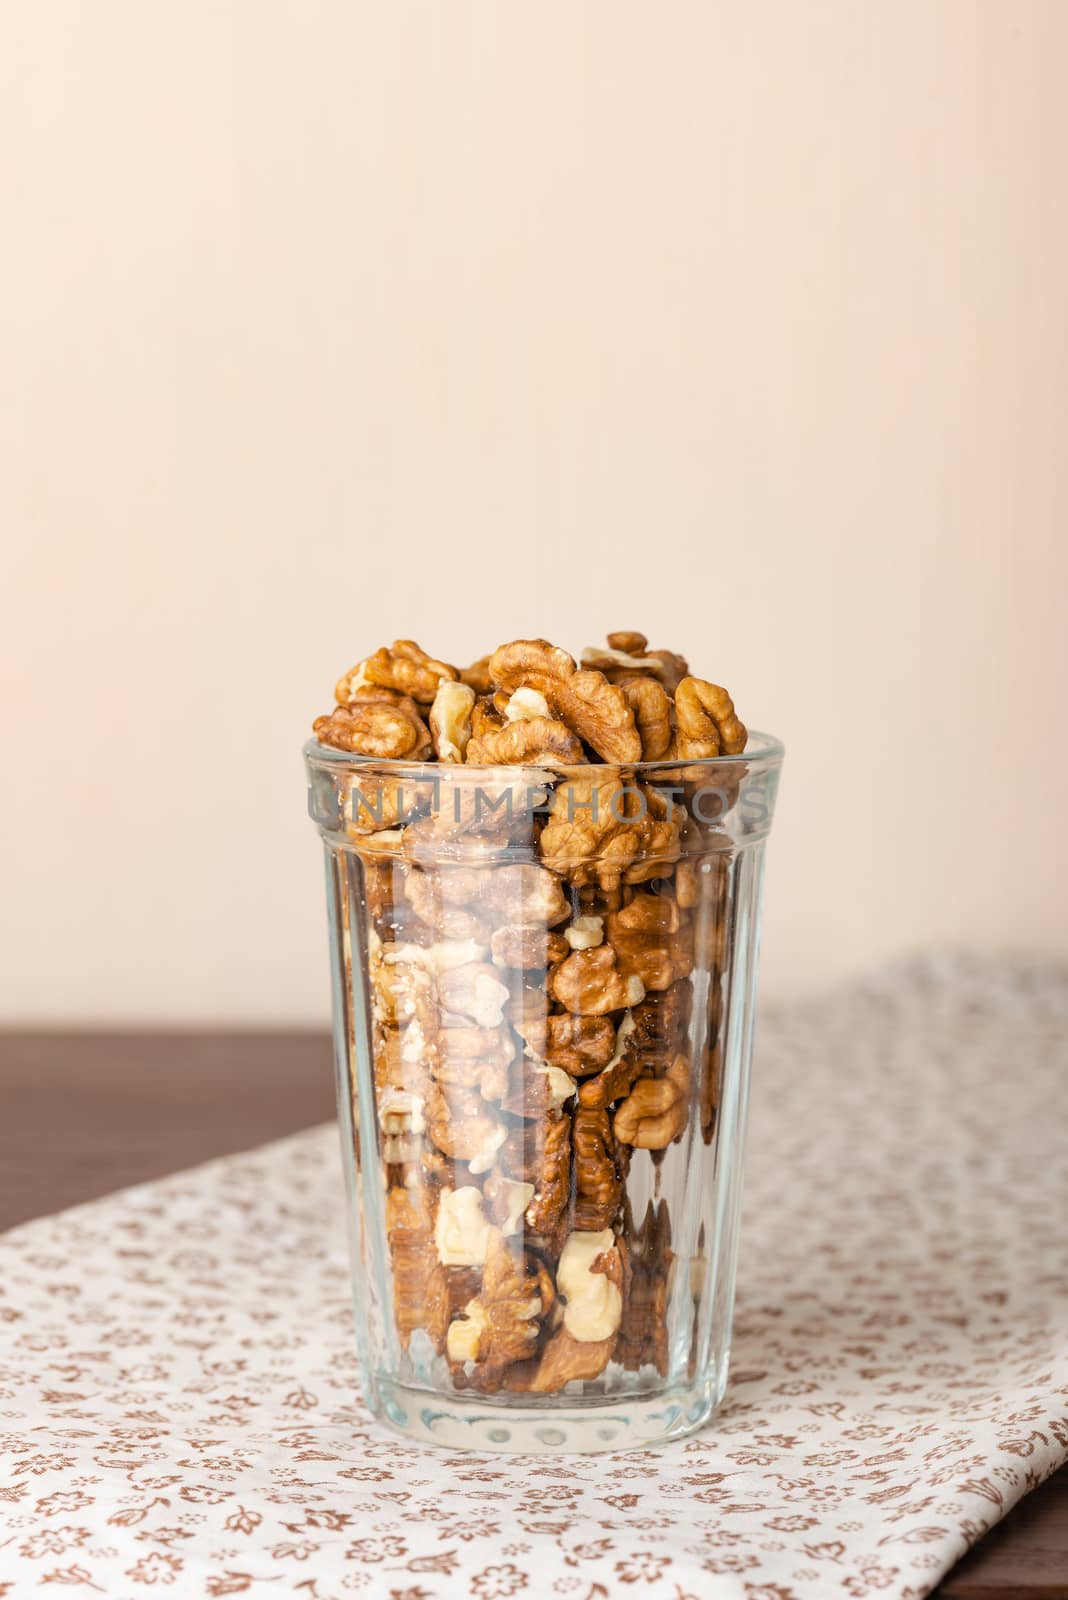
pixel 656 1110
pixel 502 1323
pixel 589 1277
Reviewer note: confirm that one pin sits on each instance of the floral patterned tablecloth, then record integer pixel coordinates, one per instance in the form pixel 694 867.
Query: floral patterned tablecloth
pixel 178 1405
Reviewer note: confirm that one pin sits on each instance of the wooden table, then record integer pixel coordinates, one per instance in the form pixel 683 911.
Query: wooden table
pixel 82 1114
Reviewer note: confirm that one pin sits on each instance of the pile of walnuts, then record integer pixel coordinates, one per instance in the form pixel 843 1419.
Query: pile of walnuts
pixel 529 702
pixel 533 1020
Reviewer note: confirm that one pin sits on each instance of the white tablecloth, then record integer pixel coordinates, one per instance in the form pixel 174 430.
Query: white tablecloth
pixel 178 1404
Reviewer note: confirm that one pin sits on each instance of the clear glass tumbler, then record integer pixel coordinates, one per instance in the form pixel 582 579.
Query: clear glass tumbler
pixel 543 989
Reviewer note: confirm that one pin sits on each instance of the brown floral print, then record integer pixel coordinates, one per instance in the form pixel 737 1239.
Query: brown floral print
pixel 179 1392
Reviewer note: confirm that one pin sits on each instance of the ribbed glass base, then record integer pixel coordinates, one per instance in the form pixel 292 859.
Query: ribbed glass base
pixel 469 1423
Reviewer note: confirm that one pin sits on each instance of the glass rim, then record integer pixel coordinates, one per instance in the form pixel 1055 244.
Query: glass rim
pixel 762 748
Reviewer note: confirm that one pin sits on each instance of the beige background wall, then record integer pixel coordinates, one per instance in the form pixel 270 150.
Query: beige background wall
pixel 743 324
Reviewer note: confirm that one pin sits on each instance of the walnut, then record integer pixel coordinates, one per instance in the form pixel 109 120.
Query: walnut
pixel 643 1339
pixel 529 664
pixel 651 940
pixel 527 1012
pixel 390 732
pixel 410 1210
pixel 463 1284
pixel 630 653
pixel 439 901
pixel 403 667
pixel 706 723
pixel 660 850
pixel 589 1275
pixel 461 1232
pixel 585 933
pixel 402 1153
pixel 524 705
pixel 477 675
pixel 403 991
pixel 658 1028
pixel 474 990
pixel 714 878
pixel 376 802
pixel 486 716
pixel 380 847
pixel 463 1127
pixel 442 956
pixel 518 892
pixel 370 694
pixel 420 1294
pixel 673 668
pixel 614 663
pixel 507 1201
pixel 566 1359
pixel 591 706
pixel 601 828
pixel 591 831
pixel 656 1110
pixel 537 741
pixel 648 699
pixel 402 1125
pixel 537 1089
pixel 469 1058
pixel 631 644
pixel 540 1153
pixel 400 1112
pixel 711 944
pixel 379 887
pixel 601 715
pixel 687 885
pixel 486 1155
pixel 578 1044
pixel 446 885
pixel 476 813
pixel 593 901
pixel 654 914
pixel 708 1093
pixel 600 1166
pixel 618 1074
pixel 589 983
pixel 661 843
pixel 526 893
pixel 501 1324
pixel 527 948
pixel 348 715
pixel 402 1058
pixel 450 720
